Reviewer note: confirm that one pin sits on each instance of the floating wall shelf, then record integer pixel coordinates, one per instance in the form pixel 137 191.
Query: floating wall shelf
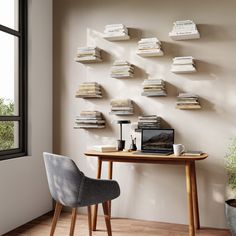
pixel 88 55
pixel 182 65
pixel 184 30
pixel 122 69
pixel 90 120
pixel 154 88
pixel 89 90
pixel 149 47
pixel 122 107
pixel 188 101
pixel 116 32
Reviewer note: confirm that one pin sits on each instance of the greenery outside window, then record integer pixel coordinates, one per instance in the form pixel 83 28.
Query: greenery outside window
pixel 13 78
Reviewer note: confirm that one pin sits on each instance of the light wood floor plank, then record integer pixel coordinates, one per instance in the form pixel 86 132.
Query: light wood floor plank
pixel 120 227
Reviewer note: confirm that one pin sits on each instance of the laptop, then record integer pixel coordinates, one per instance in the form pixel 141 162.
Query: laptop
pixel 157 141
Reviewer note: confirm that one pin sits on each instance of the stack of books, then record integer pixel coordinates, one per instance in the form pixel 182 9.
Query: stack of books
pixel 122 107
pixel 154 88
pixel 88 54
pixel 149 47
pixel 116 32
pixel 122 69
pixel 183 65
pixel 104 148
pixel 90 120
pixel 89 90
pixel 185 29
pixel 149 122
pixel 188 101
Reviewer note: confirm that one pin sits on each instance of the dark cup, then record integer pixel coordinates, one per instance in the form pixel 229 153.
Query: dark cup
pixel 120 145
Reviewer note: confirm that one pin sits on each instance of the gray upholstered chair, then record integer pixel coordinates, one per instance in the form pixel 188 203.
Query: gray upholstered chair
pixel 70 187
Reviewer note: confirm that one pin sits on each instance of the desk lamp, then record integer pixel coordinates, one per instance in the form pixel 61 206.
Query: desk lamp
pixel 120 142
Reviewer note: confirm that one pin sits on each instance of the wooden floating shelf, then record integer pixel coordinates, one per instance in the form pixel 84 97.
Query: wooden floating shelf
pixel 150 54
pixel 117 38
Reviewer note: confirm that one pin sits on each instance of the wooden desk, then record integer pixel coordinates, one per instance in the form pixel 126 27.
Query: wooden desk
pixel 190 171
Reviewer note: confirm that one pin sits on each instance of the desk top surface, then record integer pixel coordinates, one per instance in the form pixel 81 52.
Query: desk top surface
pixel 132 156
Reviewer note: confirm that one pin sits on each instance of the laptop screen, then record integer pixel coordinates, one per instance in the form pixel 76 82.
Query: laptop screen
pixel 157 140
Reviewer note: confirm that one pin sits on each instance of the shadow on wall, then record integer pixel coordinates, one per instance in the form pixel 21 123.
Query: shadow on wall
pixel 135 34
pixel 222 33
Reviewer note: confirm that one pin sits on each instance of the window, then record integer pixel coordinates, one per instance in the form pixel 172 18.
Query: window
pixel 13 78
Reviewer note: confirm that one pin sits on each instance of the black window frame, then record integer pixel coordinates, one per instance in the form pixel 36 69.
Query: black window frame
pixel 21 33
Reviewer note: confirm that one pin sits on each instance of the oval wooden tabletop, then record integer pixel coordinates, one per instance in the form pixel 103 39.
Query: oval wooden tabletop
pixel 143 156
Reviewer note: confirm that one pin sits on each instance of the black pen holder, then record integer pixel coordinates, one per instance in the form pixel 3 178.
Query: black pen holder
pixel 133 146
pixel 120 145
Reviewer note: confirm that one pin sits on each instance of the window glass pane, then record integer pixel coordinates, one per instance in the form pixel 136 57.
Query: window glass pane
pixel 9 13
pixel 9 135
pixel 9 76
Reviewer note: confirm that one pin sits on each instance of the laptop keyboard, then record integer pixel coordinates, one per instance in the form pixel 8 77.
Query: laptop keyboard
pixel 152 153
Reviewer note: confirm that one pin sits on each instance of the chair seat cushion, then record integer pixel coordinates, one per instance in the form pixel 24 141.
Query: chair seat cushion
pixel 96 191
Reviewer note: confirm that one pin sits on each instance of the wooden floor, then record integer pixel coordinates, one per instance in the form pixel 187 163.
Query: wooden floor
pixel 120 227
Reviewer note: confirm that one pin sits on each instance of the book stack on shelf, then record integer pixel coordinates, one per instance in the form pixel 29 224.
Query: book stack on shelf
pixel 185 29
pixel 122 69
pixel 89 90
pixel 122 107
pixel 116 32
pixel 90 120
pixel 183 65
pixel 148 122
pixel 88 54
pixel 188 101
pixel 154 88
pixel 149 47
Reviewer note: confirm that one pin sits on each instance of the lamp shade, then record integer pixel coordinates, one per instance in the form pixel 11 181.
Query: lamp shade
pixel 121 122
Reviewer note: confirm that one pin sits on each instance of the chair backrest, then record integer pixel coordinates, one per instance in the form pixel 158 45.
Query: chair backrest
pixel 64 179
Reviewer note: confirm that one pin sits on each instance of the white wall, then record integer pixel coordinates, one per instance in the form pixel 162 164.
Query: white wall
pixel 24 191
pixel 152 192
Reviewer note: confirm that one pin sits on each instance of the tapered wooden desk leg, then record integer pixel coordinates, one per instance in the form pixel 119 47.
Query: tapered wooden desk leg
pixel 89 220
pixel 195 196
pixel 110 171
pixel 95 209
pixel 190 198
pixel 56 215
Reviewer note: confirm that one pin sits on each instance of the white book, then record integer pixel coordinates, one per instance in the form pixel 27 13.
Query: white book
pixel 115 30
pixel 183 58
pixel 150 53
pixel 184 36
pixel 183 68
pixel 89 48
pixel 120 63
pixel 187 95
pixel 147 40
pixel 148 46
pixel 104 148
pixel 115 26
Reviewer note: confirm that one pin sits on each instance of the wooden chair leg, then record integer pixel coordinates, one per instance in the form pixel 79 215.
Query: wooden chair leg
pixel 105 206
pixel 56 215
pixel 90 220
pixel 73 221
